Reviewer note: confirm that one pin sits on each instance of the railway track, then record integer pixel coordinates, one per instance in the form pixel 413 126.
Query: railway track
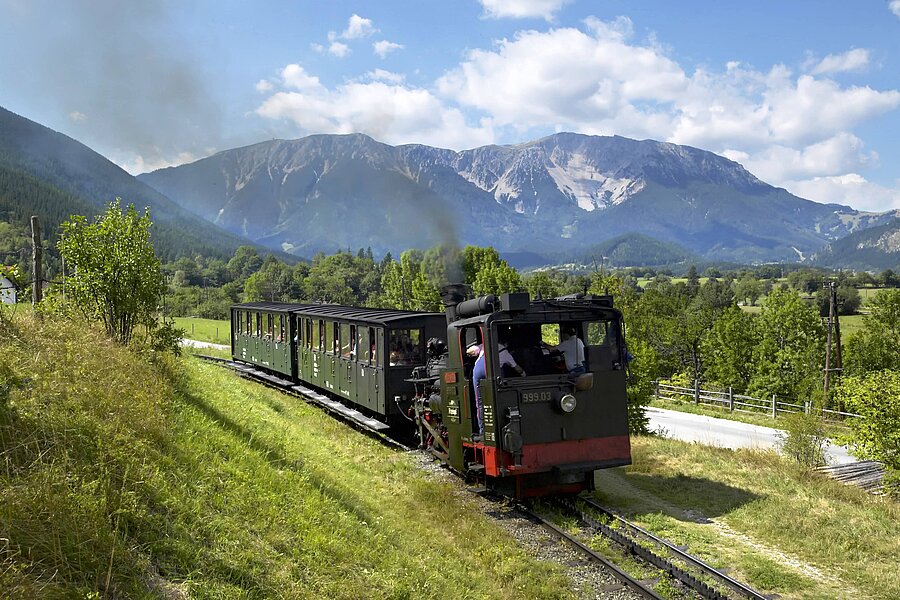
pixel 690 571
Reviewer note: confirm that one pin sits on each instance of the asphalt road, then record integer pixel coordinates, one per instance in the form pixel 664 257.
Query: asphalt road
pixel 725 433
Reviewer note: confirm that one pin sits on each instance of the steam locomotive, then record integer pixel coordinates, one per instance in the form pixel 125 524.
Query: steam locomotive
pixel 544 427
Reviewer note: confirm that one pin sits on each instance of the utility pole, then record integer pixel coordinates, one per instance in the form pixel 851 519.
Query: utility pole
pixel 36 256
pixel 834 324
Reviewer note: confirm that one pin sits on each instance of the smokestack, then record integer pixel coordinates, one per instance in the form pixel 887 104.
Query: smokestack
pixel 451 296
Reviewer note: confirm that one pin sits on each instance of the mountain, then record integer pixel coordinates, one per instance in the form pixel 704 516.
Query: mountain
pixel 566 192
pixel 876 248
pixel 49 174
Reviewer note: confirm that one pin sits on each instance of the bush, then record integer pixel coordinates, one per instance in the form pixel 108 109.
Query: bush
pixel 804 439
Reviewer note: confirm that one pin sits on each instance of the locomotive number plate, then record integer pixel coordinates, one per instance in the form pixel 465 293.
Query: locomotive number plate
pixel 532 397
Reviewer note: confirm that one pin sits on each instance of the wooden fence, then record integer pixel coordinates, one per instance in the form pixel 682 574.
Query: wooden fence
pixel 739 403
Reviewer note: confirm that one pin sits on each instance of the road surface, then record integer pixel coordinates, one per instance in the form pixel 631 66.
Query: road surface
pixel 725 433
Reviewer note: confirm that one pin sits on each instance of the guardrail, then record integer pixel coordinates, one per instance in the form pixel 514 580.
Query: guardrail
pixel 740 403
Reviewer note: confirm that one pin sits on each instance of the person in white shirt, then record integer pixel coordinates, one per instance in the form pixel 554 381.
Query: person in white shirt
pixel 506 359
pixel 573 350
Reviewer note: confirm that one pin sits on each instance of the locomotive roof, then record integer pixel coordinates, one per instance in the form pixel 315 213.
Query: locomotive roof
pixel 381 316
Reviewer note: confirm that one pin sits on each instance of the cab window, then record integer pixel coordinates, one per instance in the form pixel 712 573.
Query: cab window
pixel 603 345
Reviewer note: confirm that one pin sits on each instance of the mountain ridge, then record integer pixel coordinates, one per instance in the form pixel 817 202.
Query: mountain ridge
pixel 561 192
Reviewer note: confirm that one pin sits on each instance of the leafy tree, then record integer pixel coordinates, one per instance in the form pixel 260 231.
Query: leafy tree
pixel 274 282
pixel 888 278
pixel 876 435
pixel 787 359
pixel 693 281
pixel 728 348
pixel 748 289
pixel 848 300
pixel 405 286
pixel 877 345
pixel 245 262
pixel 116 275
pixel 541 284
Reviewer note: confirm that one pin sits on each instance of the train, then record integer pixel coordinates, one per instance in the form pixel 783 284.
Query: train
pixel 486 387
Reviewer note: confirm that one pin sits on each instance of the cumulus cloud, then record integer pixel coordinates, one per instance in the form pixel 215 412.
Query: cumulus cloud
pixel 788 128
pixel 852 60
pixel 387 76
pixel 339 49
pixel 136 163
pixel 851 189
pixel 520 9
pixel 263 86
pixel 383 47
pixel 358 27
pixel 77 116
pixel 382 108
pixel 895 7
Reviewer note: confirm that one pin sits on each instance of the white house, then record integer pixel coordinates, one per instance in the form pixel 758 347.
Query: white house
pixel 8 290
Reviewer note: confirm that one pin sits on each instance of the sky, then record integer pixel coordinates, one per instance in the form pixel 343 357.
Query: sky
pixel 804 94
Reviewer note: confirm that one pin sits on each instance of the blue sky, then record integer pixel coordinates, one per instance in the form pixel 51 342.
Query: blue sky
pixel 804 94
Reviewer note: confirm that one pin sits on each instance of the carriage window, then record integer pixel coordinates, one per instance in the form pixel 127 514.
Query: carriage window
pixel 309 333
pixel 258 325
pixel 374 352
pixel 406 347
pixel 270 326
pixel 320 340
pixel 249 328
pixel 280 336
pixel 348 341
pixel 363 345
pixel 329 336
pixel 238 321
pixel 345 342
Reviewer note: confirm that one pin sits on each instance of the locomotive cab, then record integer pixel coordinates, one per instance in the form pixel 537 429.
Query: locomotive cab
pixel 554 402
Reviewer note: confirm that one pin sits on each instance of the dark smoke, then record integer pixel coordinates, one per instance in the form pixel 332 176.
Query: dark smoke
pixel 118 63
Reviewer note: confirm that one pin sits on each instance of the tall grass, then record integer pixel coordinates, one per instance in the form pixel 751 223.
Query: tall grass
pixel 122 479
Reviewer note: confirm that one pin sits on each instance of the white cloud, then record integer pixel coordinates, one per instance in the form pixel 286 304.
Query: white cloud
pixel 358 27
pixel 383 47
pixel 338 49
pixel 520 9
pixel 317 48
pixel 264 86
pixel 294 76
pixel 850 188
pixel 137 164
pixel 385 110
pixel 77 116
pixel 387 76
pixel 841 153
pixel 895 7
pixel 852 60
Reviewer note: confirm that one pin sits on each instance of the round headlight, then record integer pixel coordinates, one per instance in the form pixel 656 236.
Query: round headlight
pixel 567 403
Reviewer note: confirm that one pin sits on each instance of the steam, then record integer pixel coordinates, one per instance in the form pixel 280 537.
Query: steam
pixel 122 80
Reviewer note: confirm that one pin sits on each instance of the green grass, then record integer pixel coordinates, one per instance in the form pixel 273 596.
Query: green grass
pixel 205 330
pixel 124 479
pixel 735 508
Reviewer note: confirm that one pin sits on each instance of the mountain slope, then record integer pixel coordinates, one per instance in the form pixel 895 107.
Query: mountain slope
pixel 876 248
pixel 34 158
pixel 563 192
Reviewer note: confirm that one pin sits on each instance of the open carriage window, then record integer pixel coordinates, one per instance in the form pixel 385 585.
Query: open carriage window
pixel 406 347
pixel 603 345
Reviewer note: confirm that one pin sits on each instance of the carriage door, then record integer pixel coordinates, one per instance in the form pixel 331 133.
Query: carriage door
pixel 376 381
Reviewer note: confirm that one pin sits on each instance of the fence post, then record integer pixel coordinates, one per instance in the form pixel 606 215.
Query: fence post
pixel 730 398
pixel 806 406
pixel 774 405
pixel 192 329
pixel 656 395
pixel 696 391
pixel 217 333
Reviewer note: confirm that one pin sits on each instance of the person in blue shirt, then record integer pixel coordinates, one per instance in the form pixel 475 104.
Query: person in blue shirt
pixel 478 373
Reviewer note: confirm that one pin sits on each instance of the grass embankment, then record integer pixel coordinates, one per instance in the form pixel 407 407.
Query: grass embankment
pixel 122 479
pixel 780 529
pixel 205 330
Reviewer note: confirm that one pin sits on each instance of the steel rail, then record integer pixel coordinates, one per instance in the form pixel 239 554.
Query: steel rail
pixel 632 545
pixel 618 573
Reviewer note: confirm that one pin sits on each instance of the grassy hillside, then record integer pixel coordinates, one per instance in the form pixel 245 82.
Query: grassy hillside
pixel 123 479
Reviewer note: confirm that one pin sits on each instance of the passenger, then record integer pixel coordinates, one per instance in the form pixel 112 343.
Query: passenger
pixel 507 360
pixel 478 373
pixel 573 350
